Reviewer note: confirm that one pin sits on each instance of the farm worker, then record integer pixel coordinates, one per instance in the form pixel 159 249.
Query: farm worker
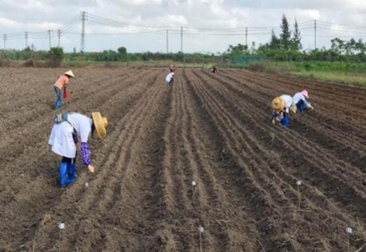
pixel 169 78
pixel 281 108
pixel 64 140
pixel 60 84
pixel 171 68
pixel 300 103
pixel 214 70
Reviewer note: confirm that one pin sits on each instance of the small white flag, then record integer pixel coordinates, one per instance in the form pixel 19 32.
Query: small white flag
pixel 299 182
pixel 61 226
pixel 201 229
pixel 193 183
pixel 349 230
pixel 86 184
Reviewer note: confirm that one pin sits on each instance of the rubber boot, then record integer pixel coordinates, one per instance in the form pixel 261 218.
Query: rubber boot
pixel 72 172
pixel 64 174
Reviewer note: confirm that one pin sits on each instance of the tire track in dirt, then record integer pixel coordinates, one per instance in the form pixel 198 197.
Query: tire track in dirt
pixel 260 135
pixel 219 208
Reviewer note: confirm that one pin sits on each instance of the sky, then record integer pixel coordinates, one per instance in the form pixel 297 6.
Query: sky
pixel 143 25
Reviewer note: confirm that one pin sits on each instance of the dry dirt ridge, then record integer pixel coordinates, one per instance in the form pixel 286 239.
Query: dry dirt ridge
pixel 210 129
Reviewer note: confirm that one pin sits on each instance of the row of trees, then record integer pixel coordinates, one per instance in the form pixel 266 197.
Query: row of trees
pixel 283 47
pixel 287 46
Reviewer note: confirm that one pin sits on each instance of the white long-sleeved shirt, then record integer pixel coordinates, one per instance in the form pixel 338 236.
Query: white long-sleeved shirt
pixel 169 77
pixel 298 97
pixel 288 101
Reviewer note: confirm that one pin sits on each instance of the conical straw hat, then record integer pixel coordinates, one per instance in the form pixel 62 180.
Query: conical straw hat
pixel 70 73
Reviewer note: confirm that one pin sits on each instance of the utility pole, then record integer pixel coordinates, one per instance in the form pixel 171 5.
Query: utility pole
pixel 314 34
pixel 246 36
pixel 181 39
pixel 49 38
pixel 5 38
pixel 167 41
pixel 82 32
pixel 26 39
pixel 59 37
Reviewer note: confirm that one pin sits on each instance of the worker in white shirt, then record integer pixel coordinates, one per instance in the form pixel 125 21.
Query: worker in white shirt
pixel 300 103
pixel 169 78
pixel 281 108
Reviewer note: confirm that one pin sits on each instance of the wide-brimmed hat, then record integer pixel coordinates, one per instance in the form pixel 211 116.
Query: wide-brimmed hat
pixel 100 124
pixel 70 73
pixel 278 104
pixel 305 93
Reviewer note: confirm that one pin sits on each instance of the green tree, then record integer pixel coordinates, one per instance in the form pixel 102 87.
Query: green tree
pixel 285 36
pixel 275 41
pixel 296 40
pixel 55 56
pixel 237 50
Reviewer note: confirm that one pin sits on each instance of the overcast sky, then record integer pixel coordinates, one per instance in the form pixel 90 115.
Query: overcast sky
pixel 209 25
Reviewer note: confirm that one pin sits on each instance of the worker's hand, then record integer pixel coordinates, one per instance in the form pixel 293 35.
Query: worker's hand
pixel 91 168
pixel 273 122
pixel 78 146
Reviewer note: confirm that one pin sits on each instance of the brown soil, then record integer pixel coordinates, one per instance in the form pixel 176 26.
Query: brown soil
pixel 211 129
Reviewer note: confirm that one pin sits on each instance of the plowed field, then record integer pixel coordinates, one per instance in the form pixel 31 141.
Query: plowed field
pixel 214 130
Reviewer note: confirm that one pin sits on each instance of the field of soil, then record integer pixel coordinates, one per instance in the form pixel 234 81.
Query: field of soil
pixel 214 130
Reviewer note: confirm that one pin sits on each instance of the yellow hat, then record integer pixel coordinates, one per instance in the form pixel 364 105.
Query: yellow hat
pixel 70 73
pixel 100 124
pixel 278 104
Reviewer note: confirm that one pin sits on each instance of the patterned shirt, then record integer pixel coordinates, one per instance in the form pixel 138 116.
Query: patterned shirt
pixel 85 155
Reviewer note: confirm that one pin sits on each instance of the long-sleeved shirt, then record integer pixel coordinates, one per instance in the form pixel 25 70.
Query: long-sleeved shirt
pixel 288 102
pixel 298 97
pixel 62 82
pixel 85 155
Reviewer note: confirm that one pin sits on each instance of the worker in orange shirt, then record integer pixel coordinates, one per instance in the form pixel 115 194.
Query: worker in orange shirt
pixel 60 84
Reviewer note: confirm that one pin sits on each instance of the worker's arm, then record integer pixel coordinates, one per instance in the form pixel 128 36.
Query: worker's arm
pixel 85 156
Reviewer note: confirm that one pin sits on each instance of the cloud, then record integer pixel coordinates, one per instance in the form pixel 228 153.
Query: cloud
pixel 193 15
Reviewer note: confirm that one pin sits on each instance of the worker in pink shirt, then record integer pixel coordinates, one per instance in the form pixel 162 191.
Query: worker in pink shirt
pixel 60 85
pixel 300 102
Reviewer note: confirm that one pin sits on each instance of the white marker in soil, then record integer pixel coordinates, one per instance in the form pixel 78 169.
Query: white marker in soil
pixel 61 226
pixel 298 184
pixel 194 183
pixel 349 230
pixel 201 230
pixel 86 184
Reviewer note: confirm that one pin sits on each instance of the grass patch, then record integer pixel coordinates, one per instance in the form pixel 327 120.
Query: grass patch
pixel 335 77
pixel 336 72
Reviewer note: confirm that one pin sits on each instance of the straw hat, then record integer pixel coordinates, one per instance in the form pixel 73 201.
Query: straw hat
pixel 278 104
pixel 70 73
pixel 100 124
